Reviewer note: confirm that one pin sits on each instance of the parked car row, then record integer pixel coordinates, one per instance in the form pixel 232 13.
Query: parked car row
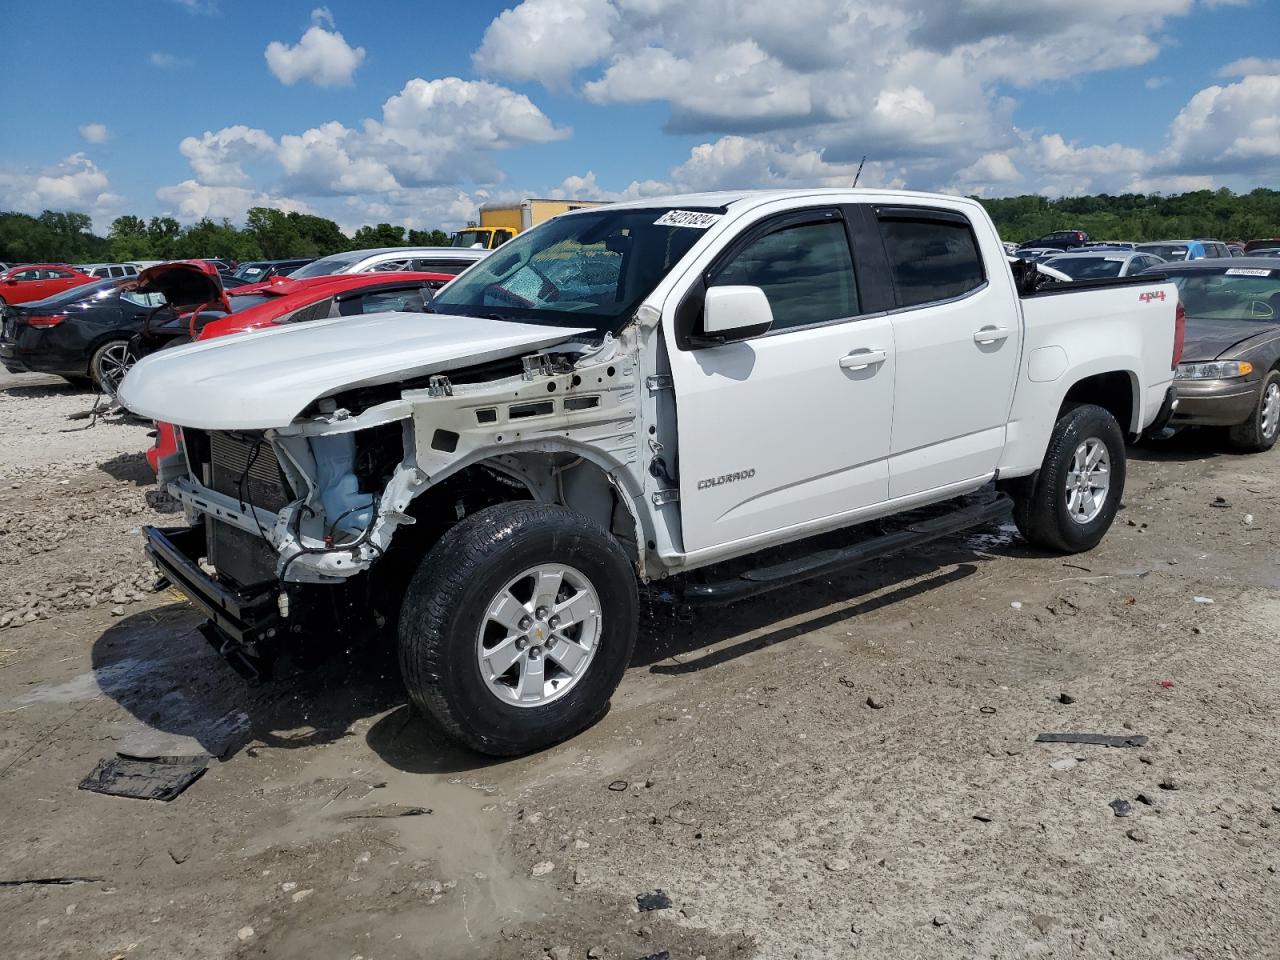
pixel 68 323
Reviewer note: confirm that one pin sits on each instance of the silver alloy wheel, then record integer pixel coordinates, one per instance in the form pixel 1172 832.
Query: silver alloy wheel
pixel 113 363
pixel 539 635
pixel 1088 480
pixel 1270 410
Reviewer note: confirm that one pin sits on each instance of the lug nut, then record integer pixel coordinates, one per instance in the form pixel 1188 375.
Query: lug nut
pixel 541 613
pixel 553 622
pixel 551 642
pixel 535 653
pixel 521 642
pixel 525 623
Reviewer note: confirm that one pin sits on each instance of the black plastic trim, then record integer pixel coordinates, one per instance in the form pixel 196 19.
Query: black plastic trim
pixel 245 616
pixel 755 582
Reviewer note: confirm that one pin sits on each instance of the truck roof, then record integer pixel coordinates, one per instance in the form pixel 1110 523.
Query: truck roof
pixel 729 198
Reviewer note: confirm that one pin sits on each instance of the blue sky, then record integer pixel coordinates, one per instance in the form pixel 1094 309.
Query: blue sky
pixel 416 112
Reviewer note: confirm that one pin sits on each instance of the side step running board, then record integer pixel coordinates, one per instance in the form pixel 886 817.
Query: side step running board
pixel 824 562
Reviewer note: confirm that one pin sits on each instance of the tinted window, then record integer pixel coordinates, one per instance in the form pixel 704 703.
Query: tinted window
pixel 404 301
pixel 336 263
pixel 931 260
pixel 805 271
pixel 144 299
pixel 26 275
pixel 57 275
pixel 1166 251
pixel 451 267
pixel 1087 268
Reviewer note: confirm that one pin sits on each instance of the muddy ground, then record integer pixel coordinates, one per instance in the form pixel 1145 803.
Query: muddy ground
pixel 843 770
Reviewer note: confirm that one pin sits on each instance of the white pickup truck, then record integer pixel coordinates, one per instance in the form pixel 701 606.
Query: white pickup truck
pixel 634 392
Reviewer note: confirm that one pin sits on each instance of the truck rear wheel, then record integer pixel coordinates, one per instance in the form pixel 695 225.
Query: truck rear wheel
pixel 1069 504
pixel 517 627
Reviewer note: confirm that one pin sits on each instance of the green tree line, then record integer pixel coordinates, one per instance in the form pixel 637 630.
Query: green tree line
pixel 266 235
pixel 1212 214
pixel 272 234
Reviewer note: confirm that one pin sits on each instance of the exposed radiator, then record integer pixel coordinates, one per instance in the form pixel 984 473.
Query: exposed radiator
pixel 245 467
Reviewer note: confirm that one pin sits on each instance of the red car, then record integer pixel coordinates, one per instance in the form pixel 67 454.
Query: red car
pixel 284 300
pixel 35 281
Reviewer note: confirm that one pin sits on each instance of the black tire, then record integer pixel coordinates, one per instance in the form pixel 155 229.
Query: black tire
pixel 1255 435
pixel 104 362
pixel 444 610
pixel 1040 501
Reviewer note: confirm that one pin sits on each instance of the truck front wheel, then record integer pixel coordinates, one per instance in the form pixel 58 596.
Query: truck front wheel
pixel 1069 504
pixel 518 626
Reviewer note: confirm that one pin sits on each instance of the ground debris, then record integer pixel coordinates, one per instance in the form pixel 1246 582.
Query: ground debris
pixel 1094 739
pixel 49 881
pixel 657 900
pixel 1121 807
pixel 145 778
pixel 388 812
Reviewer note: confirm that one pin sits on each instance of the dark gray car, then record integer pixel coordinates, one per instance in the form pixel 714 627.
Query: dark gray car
pixel 1229 375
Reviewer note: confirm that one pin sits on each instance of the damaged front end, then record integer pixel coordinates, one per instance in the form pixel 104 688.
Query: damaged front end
pixel 314 528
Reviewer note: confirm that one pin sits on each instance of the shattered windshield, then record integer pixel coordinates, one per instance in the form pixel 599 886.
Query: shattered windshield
pixel 584 269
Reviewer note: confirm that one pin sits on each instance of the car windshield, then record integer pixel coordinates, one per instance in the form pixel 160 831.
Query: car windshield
pixel 584 269
pixel 467 238
pixel 1087 268
pixel 1166 251
pixel 1237 294
pixel 326 266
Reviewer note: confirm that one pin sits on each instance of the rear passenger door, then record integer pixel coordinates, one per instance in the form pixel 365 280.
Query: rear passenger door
pixel 957 337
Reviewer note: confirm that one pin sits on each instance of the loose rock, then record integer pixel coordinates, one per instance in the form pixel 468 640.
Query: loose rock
pixel 542 868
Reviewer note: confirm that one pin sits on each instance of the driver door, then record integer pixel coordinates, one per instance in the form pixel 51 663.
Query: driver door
pixel 791 426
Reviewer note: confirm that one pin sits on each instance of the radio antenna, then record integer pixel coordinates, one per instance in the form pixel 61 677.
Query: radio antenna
pixel 859 173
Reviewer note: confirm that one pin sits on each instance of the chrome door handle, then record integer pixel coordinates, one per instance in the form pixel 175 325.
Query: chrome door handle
pixel 990 335
pixel 861 359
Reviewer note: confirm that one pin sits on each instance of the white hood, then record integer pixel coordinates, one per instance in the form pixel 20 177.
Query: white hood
pixel 266 378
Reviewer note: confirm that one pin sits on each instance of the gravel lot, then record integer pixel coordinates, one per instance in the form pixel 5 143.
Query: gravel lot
pixel 846 769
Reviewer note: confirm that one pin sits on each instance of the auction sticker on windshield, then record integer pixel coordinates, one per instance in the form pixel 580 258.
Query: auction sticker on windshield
pixel 687 218
pixel 1247 272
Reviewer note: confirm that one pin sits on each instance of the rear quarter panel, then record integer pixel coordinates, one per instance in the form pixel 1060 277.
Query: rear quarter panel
pixel 1076 334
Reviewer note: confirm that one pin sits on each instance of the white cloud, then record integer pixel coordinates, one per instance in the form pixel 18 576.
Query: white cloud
pixel 216 158
pixel 204 8
pixel 1250 66
pixel 76 183
pixel 431 134
pixel 191 200
pixel 546 40
pixel 1231 129
pixel 1155 83
pixel 166 61
pixel 322 57
pixel 95 133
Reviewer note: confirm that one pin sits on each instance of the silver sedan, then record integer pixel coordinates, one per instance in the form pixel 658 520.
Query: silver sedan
pixel 1102 264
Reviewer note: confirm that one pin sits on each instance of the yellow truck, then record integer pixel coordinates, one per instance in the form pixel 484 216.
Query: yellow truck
pixel 499 222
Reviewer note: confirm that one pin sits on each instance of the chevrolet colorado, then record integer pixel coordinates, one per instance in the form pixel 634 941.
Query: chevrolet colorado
pixel 634 392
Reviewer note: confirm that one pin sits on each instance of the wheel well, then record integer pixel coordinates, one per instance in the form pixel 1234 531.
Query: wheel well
pixel 562 478
pixel 1112 391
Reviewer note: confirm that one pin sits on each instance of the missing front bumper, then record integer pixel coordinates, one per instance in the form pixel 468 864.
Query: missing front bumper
pixel 244 623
